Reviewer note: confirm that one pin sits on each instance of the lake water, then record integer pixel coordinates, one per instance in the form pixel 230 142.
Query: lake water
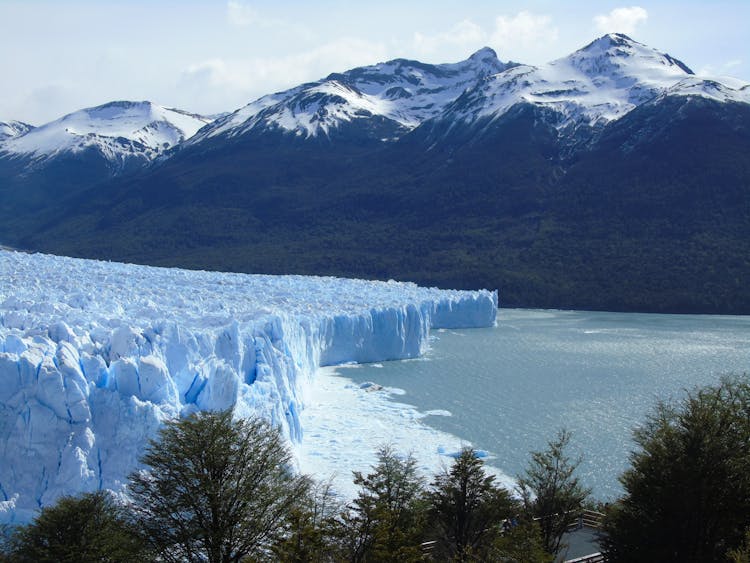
pixel 509 389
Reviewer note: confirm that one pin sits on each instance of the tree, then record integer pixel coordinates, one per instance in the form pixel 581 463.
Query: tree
pixel 467 509
pixel 87 528
pixel 741 554
pixel 385 520
pixel 215 489
pixel 312 528
pixel 551 493
pixel 520 544
pixel 6 532
pixel 687 492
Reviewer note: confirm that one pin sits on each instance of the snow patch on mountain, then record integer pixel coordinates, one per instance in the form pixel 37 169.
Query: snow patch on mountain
pixel 117 130
pixel 94 356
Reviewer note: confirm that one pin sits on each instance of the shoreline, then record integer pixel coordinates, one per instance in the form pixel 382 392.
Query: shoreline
pixel 332 449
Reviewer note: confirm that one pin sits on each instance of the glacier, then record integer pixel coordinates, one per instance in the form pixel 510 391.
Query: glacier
pixel 95 356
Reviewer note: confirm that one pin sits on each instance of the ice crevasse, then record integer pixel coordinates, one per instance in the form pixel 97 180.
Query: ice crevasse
pixel 94 356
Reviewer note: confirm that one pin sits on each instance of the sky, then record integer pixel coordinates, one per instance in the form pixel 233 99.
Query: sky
pixel 211 56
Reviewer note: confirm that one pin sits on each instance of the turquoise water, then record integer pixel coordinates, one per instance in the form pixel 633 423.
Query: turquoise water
pixel 509 389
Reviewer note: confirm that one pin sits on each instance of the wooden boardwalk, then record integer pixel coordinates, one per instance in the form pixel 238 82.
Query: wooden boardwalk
pixel 583 540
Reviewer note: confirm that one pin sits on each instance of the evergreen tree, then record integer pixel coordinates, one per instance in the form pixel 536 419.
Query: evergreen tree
pixel 215 489
pixel 467 509
pixel 551 492
pixel 385 520
pixel 687 492
pixel 85 529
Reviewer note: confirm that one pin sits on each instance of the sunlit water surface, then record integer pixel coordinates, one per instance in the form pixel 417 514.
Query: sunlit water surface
pixel 509 389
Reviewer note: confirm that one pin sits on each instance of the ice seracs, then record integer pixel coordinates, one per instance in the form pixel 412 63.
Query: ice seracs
pixel 94 356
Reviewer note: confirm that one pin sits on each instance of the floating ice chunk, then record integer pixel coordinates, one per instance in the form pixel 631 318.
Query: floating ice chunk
pixel 438 412
pixel 479 454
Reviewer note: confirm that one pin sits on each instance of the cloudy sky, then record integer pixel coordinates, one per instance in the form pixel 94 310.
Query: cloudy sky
pixel 210 56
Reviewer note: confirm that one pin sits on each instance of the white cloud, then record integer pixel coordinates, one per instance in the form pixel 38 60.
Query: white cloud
pixel 621 20
pixel 723 70
pixel 226 84
pixel 525 29
pixel 241 14
pixel 520 36
pixel 464 34
pixel 46 102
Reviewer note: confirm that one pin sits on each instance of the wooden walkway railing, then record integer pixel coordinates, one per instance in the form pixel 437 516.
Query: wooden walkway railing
pixel 588 519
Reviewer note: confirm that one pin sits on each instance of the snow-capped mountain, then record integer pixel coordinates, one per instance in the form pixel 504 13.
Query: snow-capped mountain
pixel 593 86
pixel 119 131
pixel 403 92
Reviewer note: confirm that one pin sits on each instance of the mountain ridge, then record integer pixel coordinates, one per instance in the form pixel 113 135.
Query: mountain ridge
pixel 481 80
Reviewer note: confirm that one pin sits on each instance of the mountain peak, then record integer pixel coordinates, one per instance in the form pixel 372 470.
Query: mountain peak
pixel 118 130
pixel 616 39
pixel 126 104
pixel 615 52
pixel 608 44
pixel 118 109
pixel 484 54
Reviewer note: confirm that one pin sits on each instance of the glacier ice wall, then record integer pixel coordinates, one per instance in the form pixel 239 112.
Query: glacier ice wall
pixel 94 356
